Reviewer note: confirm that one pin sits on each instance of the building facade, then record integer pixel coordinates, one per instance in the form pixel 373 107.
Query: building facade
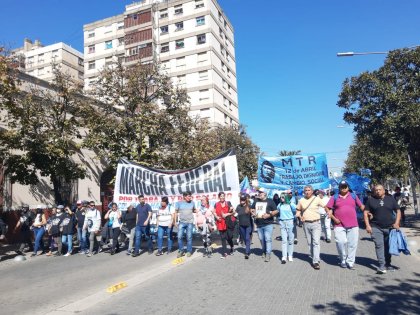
pixel 192 39
pixel 37 60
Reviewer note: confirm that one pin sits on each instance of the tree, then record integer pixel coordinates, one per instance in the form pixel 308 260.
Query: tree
pixel 247 152
pixel 288 153
pixel 384 106
pixel 42 128
pixel 383 164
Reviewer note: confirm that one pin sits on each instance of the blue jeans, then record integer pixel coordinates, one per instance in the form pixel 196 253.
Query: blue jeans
pixel 265 234
pixel 82 238
pixel 140 231
pixel 39 233
pixel 162 230
pixel 188 228
pixel 67 240
pixel 246 236
pixel 287 237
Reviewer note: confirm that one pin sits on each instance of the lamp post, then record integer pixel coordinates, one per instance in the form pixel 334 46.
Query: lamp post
pixel 351 54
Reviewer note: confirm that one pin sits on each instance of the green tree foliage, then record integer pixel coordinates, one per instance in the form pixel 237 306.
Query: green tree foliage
pixel 42 127
pixel 384 106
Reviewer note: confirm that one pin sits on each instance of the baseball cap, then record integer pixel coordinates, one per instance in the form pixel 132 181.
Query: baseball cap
pixel 262 189
pixel 343 184
pixel 60 207
pixel 39 206
pixel 242 197
pixel 79 202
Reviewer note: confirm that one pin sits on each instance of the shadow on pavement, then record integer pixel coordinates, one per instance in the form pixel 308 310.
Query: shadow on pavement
pixel 401 298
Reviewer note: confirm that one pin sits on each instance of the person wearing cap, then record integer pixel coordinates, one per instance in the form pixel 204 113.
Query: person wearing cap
pixel 184 214
pixel 39 229
pixel 264 210
pixel 245 223
pixel 24 224
pixel 308 212
pixel 325 219
pixel 343 212
pixel 386 215
pixel 92 225
pixel 80 218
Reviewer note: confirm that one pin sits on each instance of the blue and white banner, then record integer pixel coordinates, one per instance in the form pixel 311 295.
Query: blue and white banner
pixel 293 172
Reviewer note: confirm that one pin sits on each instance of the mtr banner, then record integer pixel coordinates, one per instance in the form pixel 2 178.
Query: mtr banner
pixel 293 172
pixel 220 174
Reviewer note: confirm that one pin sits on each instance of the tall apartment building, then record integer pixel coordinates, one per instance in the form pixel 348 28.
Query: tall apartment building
pixel 193 39
pixel 37 60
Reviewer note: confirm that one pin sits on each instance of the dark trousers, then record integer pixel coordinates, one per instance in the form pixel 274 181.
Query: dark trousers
pixel 115 234
pixel 226 235
pixel 380 237
pixel 26 240
pixel 246 232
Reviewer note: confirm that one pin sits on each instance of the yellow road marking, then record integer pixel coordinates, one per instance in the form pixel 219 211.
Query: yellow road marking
pixel 178 261
pixel 116 287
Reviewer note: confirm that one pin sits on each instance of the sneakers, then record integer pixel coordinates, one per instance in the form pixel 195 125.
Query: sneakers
pixel 67 255
pixel 328 240
pixel 134 254
pixel 223 256
pixel 57 254
pixel 390 268
pixel 89 254
pixel 267 258
pixel 263 256
pixel 283 260
pixel 112 252
pixel 381 271
pixel 180 254
pixel 316 266
pixel 296 241
pixel 343 265
pixel 231 252
pixel 246 256
pixel 188 254
pixel 48 254
pixel 159 253
pixel 351 267
pixel 33 255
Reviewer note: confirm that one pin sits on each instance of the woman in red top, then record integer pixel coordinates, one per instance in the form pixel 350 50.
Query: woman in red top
pixel 225 222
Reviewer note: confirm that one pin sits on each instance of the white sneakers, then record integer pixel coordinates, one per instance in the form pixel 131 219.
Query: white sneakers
pixel 290 258
pixel 67 255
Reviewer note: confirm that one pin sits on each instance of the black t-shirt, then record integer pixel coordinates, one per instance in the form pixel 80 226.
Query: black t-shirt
pixel 68 224
pixel 260 207
pixel 243 217
pixel 130 218
pixel 382 210
pixel 56 221
pixel 80 215
pixel 26 220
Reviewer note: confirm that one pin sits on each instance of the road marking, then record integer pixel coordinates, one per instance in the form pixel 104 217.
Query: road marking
pixel 178 261
pixel 116 287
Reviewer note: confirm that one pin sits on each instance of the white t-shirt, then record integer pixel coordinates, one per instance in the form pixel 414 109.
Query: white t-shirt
pixel 165 216
pixel 113 217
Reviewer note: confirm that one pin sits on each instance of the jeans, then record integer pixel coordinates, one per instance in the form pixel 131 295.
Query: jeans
pixel 82 238
pixel 161 231
pixel 295 224
pixel 182 229
pixel 265 234
pixel 346 241
pixel 115 234
pixel 140 231
pixel 93 241
pixel 38 234
pixel 326 226
pixel 68 240
pixel 380 237
pixel 245 232
pixel 287 237
pixel 313 236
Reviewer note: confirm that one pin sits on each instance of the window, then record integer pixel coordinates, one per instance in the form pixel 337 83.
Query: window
pixel 201 39
pixel 108 61
pixel 223 67
pixel 178 9
pixel 228 73
pixel 90 35
pixel 164 29
pixel 205 113
pixel 91 49
pixel 225 101
pixel 120 26
pixel 41 58
pixel 179 26
pixel 120 58
pixel 225 23
pixel 227 57
pixel 180 62
pixel 224 84
pixel 203 75
pixel 108 44
pixel 221 33
pixel 80 73
pixel 133 51
pixel 229 89
pixel 226 119
pixel 222 50
pixel 182 80
pixel 91 65
pixel 54 53
pixel 201 20
pixel 120 41
pixel 201 57
pixel 220 17
pixel 80 62
pixel 41 71
pixel 30 72
pixel 164 48
pixel 204 95
pixel 230 105
pixel 179 44
pixel 30 61
pixel 199 4
pixel 163 13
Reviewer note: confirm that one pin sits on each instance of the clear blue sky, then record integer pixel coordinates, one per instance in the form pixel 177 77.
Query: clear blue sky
pixel 288 74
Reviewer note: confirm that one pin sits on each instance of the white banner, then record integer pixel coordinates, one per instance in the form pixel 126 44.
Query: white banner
pixel 220 174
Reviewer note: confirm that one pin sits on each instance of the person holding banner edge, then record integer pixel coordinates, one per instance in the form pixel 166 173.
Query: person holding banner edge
pixel 308 212
pixel 184 211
